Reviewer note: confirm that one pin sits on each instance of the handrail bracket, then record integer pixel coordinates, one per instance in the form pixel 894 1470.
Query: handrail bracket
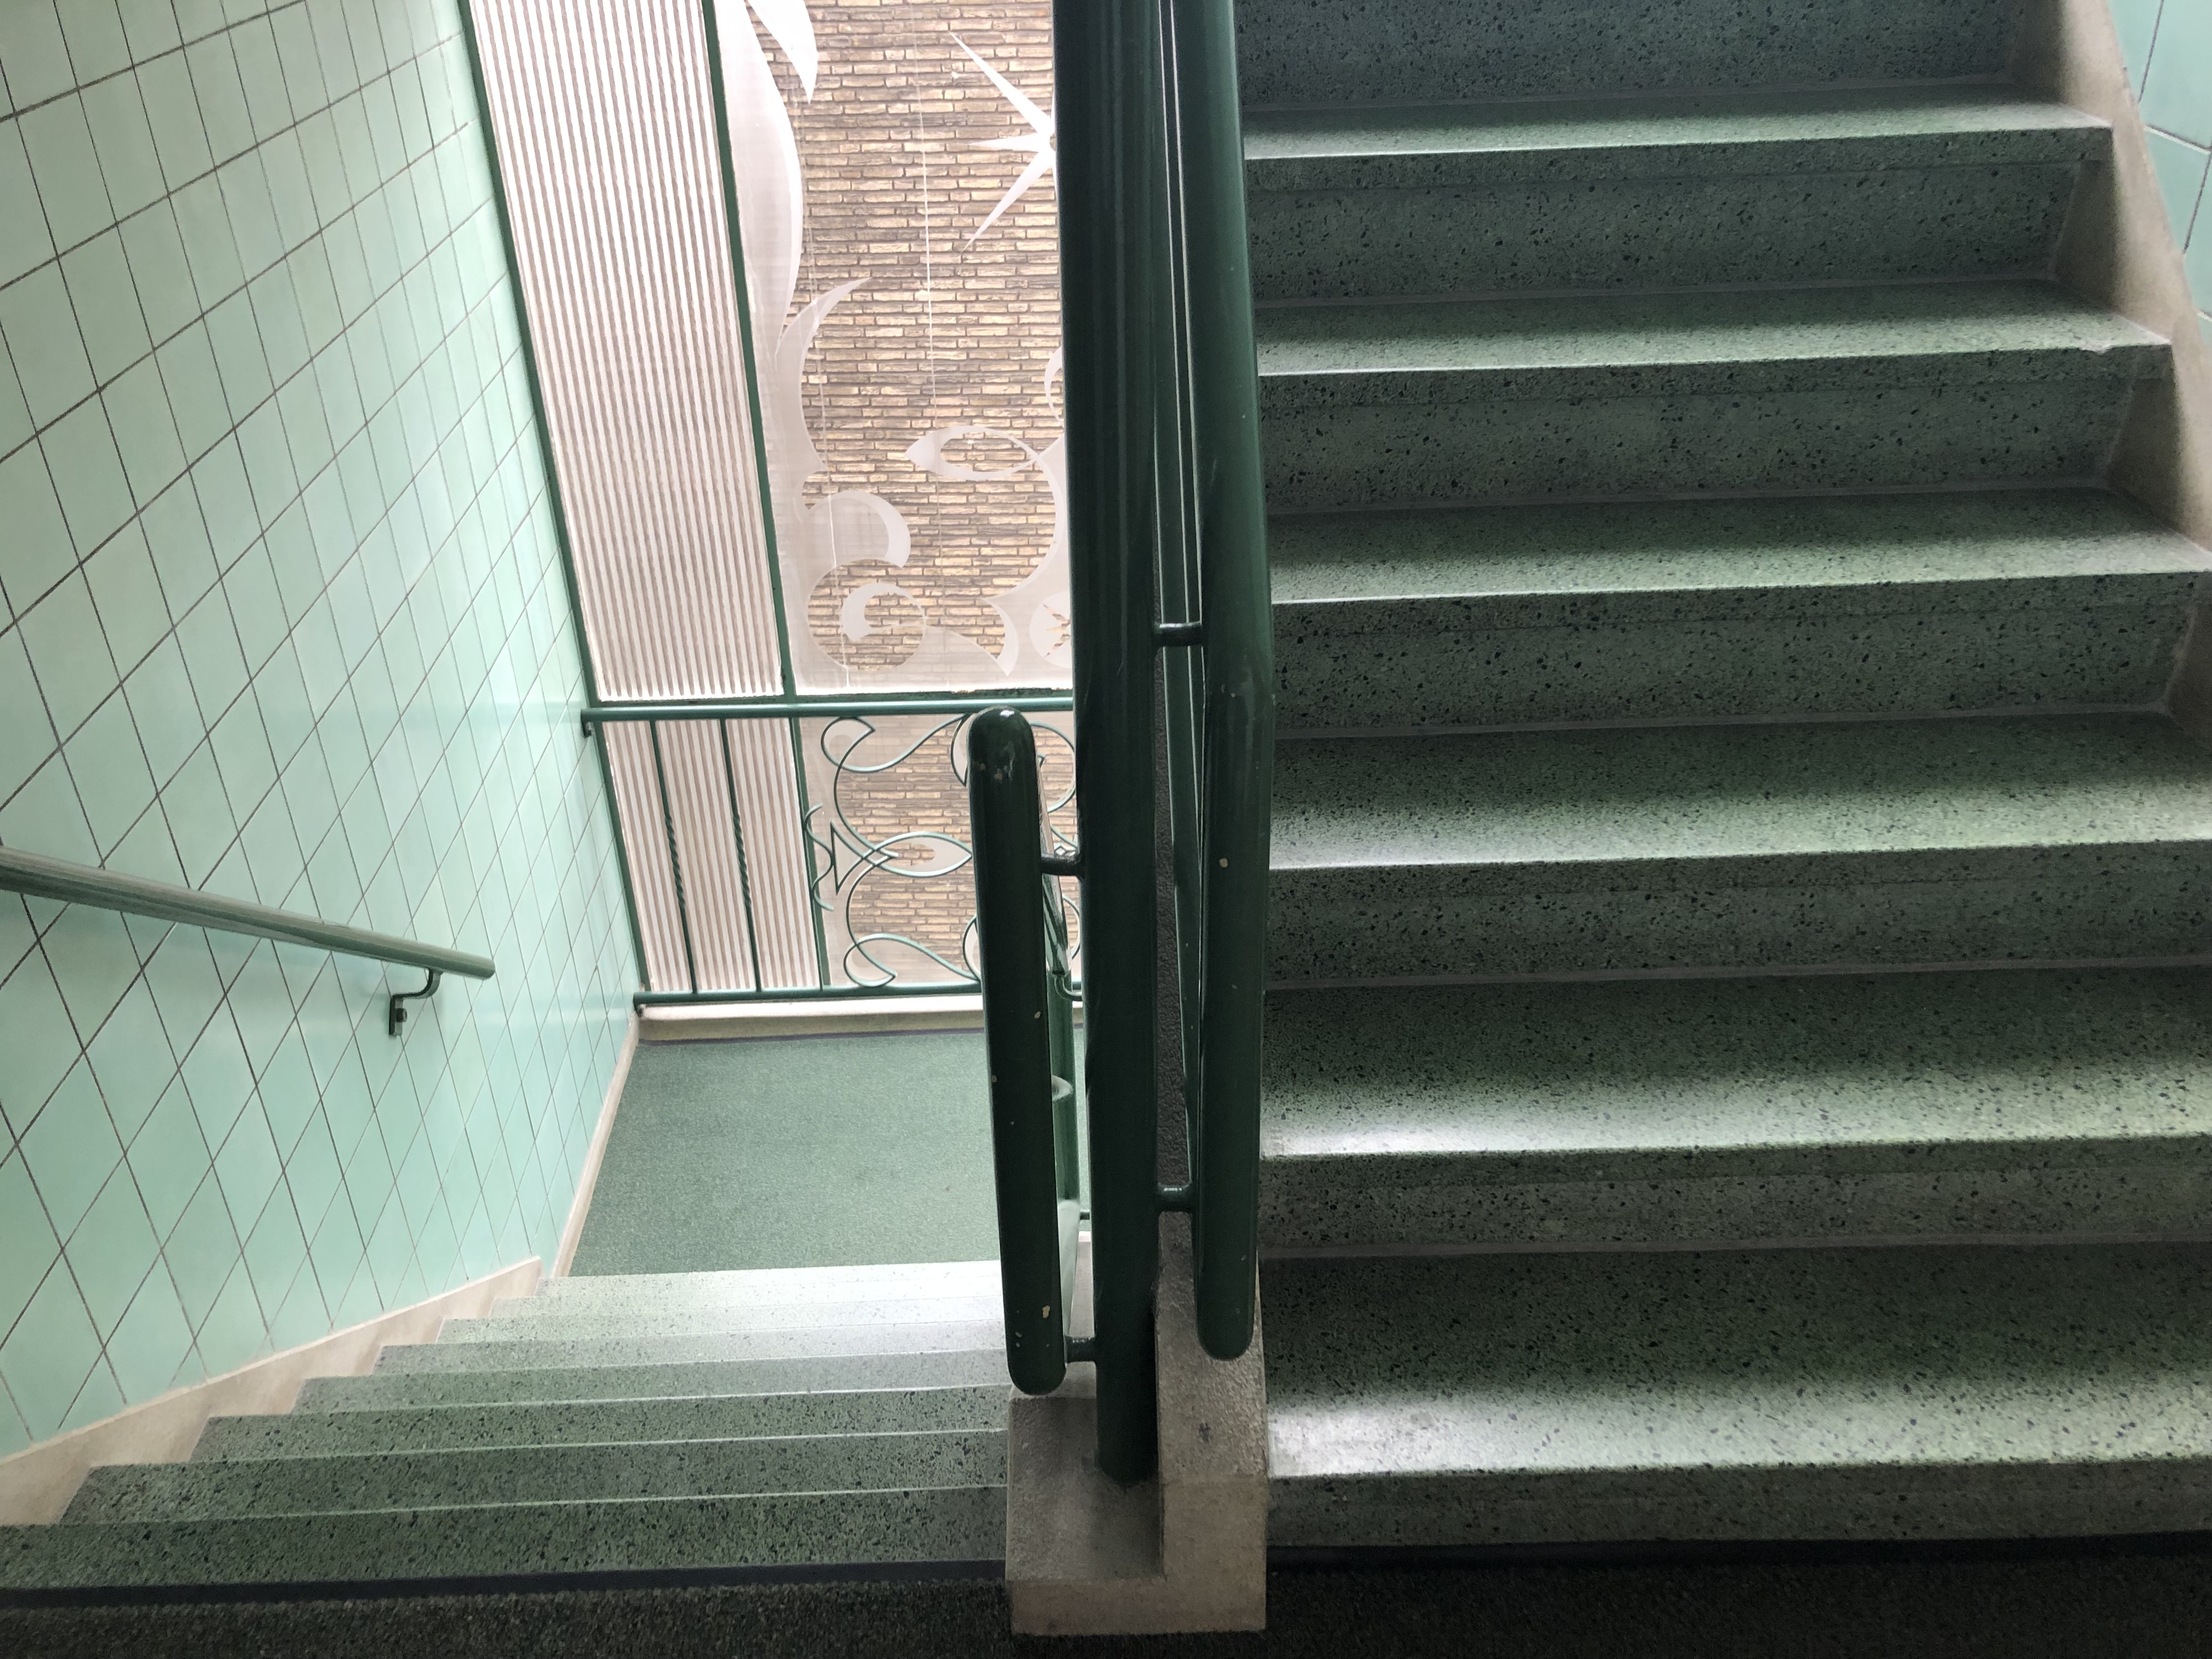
pixel 396 1015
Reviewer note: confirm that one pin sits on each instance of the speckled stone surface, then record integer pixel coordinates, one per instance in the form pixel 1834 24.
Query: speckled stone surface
pixel 1971 1391
pixel 785 1528
pixel 824 1342
pixel 1352 51
pixel 590 1435
pixel 1842 843
pixel 336 1485
pixel 552 1325
pixel 1366 405
pixel 1689 610
pixel 383 1390
pixel 562 1423
pixel 1587 193
pixel 1815 1107
pixel 763 1287
pixel 1823 130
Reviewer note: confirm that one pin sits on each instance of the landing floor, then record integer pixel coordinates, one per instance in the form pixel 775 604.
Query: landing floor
pixel 796 1153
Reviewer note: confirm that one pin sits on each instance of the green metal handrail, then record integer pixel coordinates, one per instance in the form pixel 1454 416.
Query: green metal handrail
pixel 109 889
pixel 1165 520
pixel 1028 1038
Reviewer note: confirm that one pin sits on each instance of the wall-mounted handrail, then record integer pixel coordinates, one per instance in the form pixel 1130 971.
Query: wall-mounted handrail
pixel 41 877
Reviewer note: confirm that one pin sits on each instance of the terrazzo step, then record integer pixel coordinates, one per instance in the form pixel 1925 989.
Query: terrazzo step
pixel 1322 52
pixel 1813 1107
pixel 439 1428
pixel 1861 184
pixel 1691 609
pixel 551 1382
pixel 1754 845
pixel 599 1353
pixel 547 1323
pixel 341 1485
pixel 1892 386
pixel 765 1286
pixel 964 1524
pixel 1968 1392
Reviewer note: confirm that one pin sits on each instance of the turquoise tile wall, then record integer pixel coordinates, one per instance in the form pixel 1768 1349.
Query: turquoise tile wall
pixel 284 619
pixel 2168 45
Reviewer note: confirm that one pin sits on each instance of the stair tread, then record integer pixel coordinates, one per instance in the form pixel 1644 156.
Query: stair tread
pixel 544 1321
pixel 945 1524
pixel 1570 796
pixel 1783 128
pixel 349 1483
pixel 1888 550
pixel 778 1285
pixel 507 1353
pixel 680 1417
pixel 1836 1074
pixel 1664 1360
pixel 1895 322
pixel 539 1380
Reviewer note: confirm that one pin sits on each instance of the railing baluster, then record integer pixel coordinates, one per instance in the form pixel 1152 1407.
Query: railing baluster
pixel 745 871
pixel 675 863
pixel 1109 141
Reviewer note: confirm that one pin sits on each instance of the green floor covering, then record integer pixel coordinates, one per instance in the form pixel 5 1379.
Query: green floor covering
pixel 796 1153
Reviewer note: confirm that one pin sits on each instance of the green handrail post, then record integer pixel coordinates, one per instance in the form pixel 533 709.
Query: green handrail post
pixel 1239 711
pixel 1004 825
pixel 1109 139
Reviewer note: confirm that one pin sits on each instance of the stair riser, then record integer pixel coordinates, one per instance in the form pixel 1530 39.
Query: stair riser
pixel 1446 921
pixel 1792 1504
pixel 1360 453
pixel 671 1533
pixel 1320 52
pixel 388 1390
pixel 539 1474
pixel 2030 1187
pixel 1440 663
pixel 342 1433
pixel 1365 242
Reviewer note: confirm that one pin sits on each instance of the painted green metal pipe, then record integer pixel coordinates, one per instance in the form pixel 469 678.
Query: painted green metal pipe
pixel 1005 826
pixel 1239 709
pixel 830 708
pixel 1110 142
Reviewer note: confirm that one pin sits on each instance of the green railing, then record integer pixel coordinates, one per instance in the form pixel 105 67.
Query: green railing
pixel 1169 581
pixel 846 858
pixel 109 889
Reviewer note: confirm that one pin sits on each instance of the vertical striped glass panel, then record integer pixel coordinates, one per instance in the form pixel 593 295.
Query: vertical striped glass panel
pixel 604 118
pixel 606 140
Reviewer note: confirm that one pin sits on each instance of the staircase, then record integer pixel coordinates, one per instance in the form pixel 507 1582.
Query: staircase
pixel 655 1422
pixel 1738 1065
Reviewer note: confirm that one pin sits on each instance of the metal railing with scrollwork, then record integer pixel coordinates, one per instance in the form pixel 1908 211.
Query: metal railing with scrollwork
pixel 876 820
pixel 1168 545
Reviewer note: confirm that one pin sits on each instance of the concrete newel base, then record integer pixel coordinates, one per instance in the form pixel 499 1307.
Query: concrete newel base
pixel 1185 1551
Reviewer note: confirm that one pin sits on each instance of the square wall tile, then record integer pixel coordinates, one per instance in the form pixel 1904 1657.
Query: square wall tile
pixel 271 625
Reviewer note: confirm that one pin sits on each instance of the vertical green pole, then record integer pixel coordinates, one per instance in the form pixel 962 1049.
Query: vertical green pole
pixel 1106 60
pixel 1239 707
